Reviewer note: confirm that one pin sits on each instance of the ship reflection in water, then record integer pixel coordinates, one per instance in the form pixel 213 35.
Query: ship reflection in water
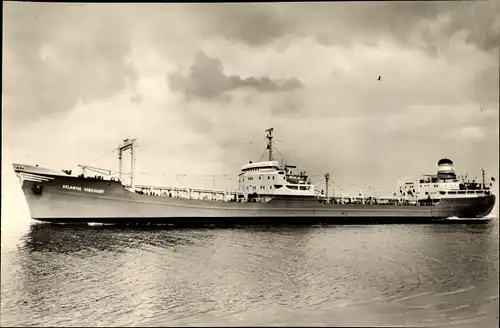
pixel 421 275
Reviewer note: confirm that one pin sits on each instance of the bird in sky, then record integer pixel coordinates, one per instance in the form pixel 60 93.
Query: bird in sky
pixel 379 78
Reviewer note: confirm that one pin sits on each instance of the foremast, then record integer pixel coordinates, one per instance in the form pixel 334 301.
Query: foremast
pixel 128 144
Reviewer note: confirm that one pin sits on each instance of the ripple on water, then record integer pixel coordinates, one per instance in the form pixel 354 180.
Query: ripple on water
pixel 374 275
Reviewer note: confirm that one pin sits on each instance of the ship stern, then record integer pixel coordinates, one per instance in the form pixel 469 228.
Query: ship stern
pixel 472 208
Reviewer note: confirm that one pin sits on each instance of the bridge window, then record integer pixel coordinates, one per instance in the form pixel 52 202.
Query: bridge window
pixel 292 187
pixel 278 186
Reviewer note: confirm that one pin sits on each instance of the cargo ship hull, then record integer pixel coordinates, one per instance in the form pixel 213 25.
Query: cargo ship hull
pixel 69 199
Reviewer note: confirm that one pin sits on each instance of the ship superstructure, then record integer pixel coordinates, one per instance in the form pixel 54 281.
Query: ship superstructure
pixel 442 185
pixel 265 180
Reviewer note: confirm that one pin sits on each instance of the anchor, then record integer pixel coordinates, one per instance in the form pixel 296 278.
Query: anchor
pixel 37 189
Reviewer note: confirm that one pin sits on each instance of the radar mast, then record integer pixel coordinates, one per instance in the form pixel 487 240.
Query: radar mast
pixel 269 137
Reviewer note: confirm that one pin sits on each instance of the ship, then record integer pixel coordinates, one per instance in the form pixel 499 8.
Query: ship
pixel 268 192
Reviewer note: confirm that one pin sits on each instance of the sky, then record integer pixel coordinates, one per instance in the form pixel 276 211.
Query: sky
pixel 198 84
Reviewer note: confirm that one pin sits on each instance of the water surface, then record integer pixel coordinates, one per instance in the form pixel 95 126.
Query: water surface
pixel 420 275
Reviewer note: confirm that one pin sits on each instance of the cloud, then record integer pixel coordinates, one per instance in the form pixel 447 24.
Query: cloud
pixel 254 25
pixel 206 80
pixel 468 133
pixel 55 55
pixel 446 117
pixel 90 131
pixel 422 24
pixel 198 84
pixel 481 22
pixel 344 126
pixel 483 82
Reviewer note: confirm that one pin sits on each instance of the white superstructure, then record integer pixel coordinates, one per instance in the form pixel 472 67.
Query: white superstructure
pixel 270 178
pixel 444 184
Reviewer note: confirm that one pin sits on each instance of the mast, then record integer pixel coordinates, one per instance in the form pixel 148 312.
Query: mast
pixel 132 165
pixel 327 178
pixel 121 165
pixel 270 142
pixel 128 144
pixel 482 172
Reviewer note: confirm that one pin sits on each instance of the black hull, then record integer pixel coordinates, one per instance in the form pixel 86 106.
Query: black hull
pixel 66 199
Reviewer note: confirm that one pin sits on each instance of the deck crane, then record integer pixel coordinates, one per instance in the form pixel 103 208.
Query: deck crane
pixel 128 144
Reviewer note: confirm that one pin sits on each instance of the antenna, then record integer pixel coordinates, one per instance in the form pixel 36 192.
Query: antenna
pixel 270 142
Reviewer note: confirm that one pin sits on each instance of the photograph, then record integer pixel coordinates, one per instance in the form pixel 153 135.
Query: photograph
pixel 254 164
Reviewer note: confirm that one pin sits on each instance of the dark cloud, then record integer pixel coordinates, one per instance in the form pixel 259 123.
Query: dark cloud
pixel 253 24
pixel 407 22
pixel 206 80
pixel 480 20
pixel 56 55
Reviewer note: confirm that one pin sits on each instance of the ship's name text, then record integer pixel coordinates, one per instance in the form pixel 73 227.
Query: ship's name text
pixel 78 188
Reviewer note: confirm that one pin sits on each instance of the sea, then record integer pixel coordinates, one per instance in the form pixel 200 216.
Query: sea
pixel 393 275
pixel 372 275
